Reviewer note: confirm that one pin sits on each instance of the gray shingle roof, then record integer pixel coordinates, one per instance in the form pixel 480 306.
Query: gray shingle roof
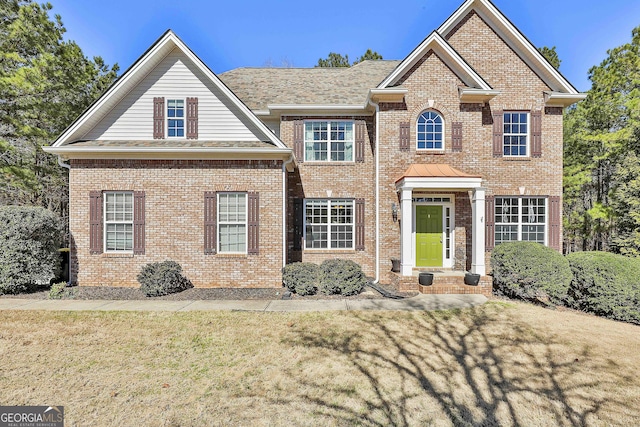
pixel 259 87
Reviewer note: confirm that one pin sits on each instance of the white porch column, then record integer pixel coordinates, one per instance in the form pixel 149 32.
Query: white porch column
pixel 406 252
pixel 478 230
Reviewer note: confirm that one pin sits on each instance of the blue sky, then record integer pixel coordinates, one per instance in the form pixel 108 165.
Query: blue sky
pixel 228 34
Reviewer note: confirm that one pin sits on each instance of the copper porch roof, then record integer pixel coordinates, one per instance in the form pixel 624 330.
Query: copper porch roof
pixel 434 170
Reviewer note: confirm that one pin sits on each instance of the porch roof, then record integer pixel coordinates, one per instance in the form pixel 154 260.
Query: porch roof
pixel 437 176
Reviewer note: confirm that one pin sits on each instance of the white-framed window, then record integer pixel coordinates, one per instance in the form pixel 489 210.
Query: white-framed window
pixel 430 131
pixel 520 219
pixel 118 221
pixel 329 224
pixel 328 141
pixel 232 223
pixel 175 118
pixel 516 134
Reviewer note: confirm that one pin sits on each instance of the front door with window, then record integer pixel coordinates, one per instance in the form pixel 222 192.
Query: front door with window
pixel 429 236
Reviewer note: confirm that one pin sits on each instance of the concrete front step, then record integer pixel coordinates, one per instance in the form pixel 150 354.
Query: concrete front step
pixel 443 283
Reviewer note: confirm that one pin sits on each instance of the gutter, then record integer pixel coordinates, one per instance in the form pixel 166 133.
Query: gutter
pixel 284 209
pixel 377 181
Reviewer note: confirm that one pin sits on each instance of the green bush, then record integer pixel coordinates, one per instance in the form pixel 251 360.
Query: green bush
pixel 530 271
pixel 57 290
pixel 341 276
pixel 301 277
pixel 162 278
pixel 30 239
pixel 605 284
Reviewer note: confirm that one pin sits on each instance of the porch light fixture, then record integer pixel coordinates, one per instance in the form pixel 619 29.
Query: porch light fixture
pixel 394 212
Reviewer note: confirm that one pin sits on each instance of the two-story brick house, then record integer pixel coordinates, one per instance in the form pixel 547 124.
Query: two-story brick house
pixel 434 160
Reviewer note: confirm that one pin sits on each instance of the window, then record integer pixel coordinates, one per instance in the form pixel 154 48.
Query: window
pixel 328 141
pixel 175 118
pixel 430 131
pixel 232 222
pixel 520 218
pixel 516 134
pixel 118 221
pixel 329 224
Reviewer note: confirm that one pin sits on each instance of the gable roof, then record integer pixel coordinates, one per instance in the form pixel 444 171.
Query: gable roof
pixel 262 88
pixel 514 38
pixel 447 54
pixel 133 76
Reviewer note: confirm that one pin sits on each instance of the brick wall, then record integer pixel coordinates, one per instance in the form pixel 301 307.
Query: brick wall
pixel 174 221
pixel 431 84
pixel 343 180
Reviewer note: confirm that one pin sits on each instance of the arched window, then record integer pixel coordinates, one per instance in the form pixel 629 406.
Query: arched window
pixel 430 131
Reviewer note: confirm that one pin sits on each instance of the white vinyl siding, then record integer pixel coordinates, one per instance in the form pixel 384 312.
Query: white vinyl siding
pixel 132 118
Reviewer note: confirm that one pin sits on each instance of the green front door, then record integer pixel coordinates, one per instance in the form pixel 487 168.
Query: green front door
pixel 428 236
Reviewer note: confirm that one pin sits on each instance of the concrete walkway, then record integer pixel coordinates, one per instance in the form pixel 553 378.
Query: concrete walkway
pixel 417 303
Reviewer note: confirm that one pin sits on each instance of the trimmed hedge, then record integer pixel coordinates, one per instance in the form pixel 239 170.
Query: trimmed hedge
pixel 30 239
pixel 162 278
pixel 341 276
pixel 530 271
pixel 605 284
pixel 333 276
pixel 301 277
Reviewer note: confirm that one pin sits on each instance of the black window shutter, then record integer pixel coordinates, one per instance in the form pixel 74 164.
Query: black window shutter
pixel 298 223
pixel 192 118
pixel 536 133
pixel 359 225
pixel 253 224
pixel 405 136
pixel 210 217
pixel 158 118
pixel 456 136
pixel 555 220
pixel 361 130
pixel 95 222
pixel 298 140
pixel 489 220
pixel 138 222
pixel 498 132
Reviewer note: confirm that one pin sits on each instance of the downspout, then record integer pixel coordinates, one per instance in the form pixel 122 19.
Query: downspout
pixel 284 209
pixel 68 167
pixel 377 181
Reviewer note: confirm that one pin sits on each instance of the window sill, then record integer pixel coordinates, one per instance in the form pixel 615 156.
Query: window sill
pixel 517 159
pixel 117 255
pixel 431 152
pixel 329 251
pixel 223 255
pixel 335 163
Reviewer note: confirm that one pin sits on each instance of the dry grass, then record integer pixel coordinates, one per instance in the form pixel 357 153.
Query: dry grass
pixel 500 364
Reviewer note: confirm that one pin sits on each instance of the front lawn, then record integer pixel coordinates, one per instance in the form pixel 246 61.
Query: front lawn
pixel 499 364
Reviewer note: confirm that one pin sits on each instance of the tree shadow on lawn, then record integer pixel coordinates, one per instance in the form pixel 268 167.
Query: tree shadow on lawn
pixel 472 367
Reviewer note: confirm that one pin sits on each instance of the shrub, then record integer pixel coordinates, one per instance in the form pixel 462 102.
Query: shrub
pixel 605 284
pixel 30 239
pixel 301 277
pixel 162 278
pixel 341 276
pixel 530 271
pixel 57 290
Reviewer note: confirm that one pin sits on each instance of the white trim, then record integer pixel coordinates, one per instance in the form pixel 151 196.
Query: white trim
pixel 443 138
pixel 439 183
pixel 246 222
pixel 167 118
pixel 329 141
pixel 329 201
pixel 447 54
pixel 520 224
pixel 557 99
pixel 528 135
pixel 105 222
pixel 136 74
pixel 514 38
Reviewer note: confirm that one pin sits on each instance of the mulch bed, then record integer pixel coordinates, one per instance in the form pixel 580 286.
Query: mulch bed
pixel 111 293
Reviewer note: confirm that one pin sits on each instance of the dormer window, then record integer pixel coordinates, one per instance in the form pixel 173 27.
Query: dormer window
pixel 175 118
pixel 430 131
